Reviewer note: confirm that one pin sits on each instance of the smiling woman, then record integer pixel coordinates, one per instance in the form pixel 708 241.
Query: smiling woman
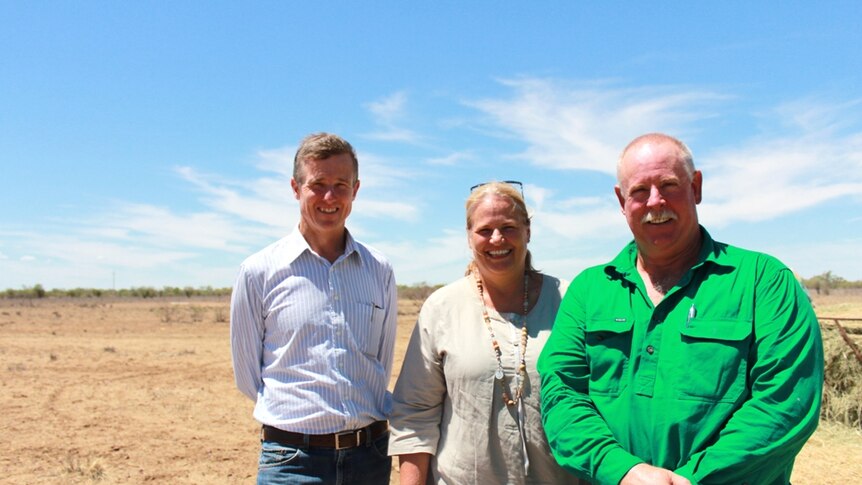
pixel 498 230
pixel 466 404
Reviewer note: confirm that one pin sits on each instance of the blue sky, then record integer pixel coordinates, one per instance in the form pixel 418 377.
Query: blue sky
pixel 151 143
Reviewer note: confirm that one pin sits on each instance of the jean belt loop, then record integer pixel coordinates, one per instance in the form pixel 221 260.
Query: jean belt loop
pixel 305 441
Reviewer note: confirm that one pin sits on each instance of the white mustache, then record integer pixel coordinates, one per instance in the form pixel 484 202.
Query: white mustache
pixel 660 216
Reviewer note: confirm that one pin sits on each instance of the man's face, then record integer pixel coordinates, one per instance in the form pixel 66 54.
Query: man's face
pixel 325 195
pixel 659 199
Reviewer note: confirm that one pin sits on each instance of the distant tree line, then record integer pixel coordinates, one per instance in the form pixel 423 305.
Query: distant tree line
pixel 419 291
pixel 414 292
pixel 38 291
pixel 826 282
pixel 822 283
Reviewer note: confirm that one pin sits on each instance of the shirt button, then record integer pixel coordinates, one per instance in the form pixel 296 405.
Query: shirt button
pixel 650 350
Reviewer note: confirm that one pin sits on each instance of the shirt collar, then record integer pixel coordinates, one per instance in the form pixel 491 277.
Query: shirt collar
pixel 296 245
pixel 624 264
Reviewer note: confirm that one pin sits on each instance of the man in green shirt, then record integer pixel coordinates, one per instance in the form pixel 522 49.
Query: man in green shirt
pixel 683 360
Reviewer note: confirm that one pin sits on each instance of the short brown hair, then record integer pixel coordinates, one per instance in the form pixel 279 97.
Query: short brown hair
pixel 320 146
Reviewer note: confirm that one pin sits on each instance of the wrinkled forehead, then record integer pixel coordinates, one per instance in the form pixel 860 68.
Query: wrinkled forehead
pixel 661 159
pixel 338 166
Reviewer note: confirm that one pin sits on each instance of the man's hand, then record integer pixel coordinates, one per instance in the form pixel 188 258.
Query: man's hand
pixel 643 474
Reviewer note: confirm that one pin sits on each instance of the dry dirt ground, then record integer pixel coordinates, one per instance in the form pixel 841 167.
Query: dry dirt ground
pixel 136 391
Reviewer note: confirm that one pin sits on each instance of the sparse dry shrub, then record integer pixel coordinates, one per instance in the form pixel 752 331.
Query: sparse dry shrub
pixel 418 292
pixel 197 313
pixel 220 315
pixel 86 467
pixel 409 307
pixel 842 381
pixel 166 313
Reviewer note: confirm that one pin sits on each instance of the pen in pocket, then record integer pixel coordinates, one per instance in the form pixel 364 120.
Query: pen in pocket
pixel 692 312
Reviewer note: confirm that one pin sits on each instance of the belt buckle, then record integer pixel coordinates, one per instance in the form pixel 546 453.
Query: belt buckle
pixel 345 434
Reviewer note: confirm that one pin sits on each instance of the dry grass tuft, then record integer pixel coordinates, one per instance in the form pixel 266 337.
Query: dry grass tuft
pixel 220 315
pixel 89 468
pixel 167 313
pixel 842 385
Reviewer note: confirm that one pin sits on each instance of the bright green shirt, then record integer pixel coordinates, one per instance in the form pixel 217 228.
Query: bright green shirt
pixel 720 382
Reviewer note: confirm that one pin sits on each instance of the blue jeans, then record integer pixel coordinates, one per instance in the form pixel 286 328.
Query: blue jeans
pixel 362 465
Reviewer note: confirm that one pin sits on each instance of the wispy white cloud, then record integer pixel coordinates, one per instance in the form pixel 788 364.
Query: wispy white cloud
pixel 395 210
pixel 131 254
pixel 452 159
pixel 585 127
pixel 389 114
pixel 67 261
pixel 239 217
pixel 814 115
pixel 268 201
pixel 390 108
pixel 439 259
pixel 162 227
pixel 769 177
pixel 839 256
pixel 589 223
pixel 806 154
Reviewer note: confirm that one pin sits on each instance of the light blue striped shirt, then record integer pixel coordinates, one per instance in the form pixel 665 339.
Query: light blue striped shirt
pixel 312 341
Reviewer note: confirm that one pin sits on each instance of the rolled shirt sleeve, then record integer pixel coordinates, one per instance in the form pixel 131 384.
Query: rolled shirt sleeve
pixel 419 393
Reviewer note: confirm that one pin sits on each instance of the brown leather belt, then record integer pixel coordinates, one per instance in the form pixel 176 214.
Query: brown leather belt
pixel 336 441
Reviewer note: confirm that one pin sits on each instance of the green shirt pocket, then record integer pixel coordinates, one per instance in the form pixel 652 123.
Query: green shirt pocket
pixel 713 359
pixel 608 346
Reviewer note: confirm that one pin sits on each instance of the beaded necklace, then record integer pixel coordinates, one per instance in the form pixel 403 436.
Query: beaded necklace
pixel 522 365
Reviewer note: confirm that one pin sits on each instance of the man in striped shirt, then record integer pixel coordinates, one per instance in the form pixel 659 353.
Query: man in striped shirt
pixel 313 320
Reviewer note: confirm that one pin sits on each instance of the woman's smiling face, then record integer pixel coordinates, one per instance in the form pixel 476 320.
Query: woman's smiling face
pixel 498 236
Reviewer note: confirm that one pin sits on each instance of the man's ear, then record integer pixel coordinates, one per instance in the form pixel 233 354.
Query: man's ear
pixel 295 186
pixel 620 198
pixel 697 186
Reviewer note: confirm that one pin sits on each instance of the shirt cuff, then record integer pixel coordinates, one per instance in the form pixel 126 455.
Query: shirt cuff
pixel 615 465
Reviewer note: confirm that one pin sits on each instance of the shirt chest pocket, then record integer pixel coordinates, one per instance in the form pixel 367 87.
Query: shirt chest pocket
pixel 608 346
pixel 713 359
pixel 367 327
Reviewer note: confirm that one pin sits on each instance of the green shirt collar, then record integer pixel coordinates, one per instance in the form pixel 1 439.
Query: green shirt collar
pixel 624 264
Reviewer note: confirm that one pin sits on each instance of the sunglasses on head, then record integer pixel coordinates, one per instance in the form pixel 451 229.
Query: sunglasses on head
pixel 514 183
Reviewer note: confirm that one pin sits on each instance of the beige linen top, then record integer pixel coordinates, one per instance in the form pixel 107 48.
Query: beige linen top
pixel 447 402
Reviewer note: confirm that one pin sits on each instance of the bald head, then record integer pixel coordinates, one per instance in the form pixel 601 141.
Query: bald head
pixel 657 139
